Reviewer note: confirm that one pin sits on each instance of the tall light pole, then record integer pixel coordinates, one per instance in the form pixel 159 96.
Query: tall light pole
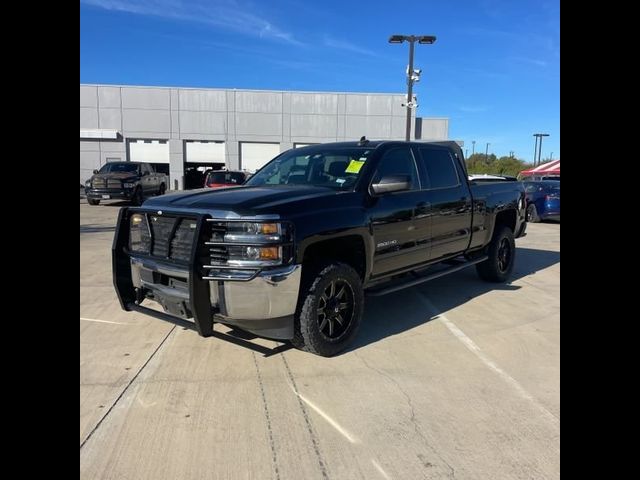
pixel 473 147
pixel 535 149
pixel 412 75
pixel 539 135
pixel 486 152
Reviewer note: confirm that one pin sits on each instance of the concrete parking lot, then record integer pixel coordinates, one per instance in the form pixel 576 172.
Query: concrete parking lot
pixel 456 378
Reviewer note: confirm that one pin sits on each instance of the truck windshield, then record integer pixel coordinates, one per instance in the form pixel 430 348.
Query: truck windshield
pixel 337 168
pixel 119 167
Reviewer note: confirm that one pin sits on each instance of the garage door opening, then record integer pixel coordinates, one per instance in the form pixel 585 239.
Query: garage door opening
pixel 150 151
pixel 201 157
pixel 254 155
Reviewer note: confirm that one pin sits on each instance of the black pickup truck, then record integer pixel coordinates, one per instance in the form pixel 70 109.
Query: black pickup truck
pixel 293 252
pixel 126 181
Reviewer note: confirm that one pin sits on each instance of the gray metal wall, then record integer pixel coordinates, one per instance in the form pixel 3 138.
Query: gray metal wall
pixel 234 116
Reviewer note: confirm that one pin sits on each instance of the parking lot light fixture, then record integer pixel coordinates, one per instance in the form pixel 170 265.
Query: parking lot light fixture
pixel 412 75
pixel 539 145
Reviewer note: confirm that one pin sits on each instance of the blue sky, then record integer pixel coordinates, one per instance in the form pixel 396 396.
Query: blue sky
pixel 494 70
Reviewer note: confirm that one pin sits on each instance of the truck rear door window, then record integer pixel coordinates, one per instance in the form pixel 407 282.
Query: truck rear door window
pixel 440 168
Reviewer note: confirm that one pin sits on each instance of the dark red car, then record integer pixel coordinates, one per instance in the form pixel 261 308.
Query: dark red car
pixel 225 178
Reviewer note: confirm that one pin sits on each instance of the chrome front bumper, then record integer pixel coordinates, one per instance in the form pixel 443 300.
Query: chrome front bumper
pixel 264 305
pixel 271 294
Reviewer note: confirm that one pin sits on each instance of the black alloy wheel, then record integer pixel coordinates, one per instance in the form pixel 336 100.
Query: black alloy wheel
pixel 335 309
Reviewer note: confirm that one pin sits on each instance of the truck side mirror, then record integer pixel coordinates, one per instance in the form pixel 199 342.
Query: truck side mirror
pixel 95 171
pixel 391 183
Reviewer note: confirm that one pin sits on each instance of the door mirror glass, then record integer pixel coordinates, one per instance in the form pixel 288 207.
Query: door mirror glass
pixel 95 171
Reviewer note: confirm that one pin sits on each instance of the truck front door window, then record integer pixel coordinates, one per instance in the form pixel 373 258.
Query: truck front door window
pixel 398 161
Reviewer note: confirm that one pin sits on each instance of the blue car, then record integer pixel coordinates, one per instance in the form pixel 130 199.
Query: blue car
pixel 543 200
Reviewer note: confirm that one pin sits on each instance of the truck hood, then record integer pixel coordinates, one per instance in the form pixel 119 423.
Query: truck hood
pixel 243 200
pixel 114 175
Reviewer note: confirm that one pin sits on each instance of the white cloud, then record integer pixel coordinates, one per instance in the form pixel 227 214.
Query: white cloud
pixel 223 14
pixel 344 45
pixel 532 61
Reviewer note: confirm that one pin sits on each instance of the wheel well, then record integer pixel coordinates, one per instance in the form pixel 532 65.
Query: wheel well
pixel 349 250
pixel 506 218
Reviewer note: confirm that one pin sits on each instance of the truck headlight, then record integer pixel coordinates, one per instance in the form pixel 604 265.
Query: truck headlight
pixel 139 237
pixel 251 244
pixel 247 256
pixel 129 185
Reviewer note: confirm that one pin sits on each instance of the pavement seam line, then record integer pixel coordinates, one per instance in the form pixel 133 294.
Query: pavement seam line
pixel 305 414
pixel 274 456
pixel 477 351
pixel 126 388
pixel 412 419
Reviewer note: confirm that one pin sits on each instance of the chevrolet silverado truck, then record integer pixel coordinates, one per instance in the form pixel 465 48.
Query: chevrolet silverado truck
pixel 126 181
pixel 292 253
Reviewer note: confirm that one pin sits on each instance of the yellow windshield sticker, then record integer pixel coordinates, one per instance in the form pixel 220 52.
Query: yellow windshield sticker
pixel 354 166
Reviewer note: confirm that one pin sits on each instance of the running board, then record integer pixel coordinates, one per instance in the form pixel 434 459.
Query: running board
pixel 426 278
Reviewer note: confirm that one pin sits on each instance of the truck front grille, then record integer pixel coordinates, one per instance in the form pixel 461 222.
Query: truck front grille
pixel 172 237
pixel 219 253
pixel 109 183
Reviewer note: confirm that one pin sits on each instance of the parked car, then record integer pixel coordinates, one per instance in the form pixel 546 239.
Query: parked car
pixel 125 180
pixel 485 177
pixel 225 178
pixel 543 200
pixel 291 254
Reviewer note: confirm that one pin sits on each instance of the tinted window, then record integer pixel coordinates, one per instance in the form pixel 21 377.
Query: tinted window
pixel 440 167
pixel 398 161
pixel 530 187
pixel 235 178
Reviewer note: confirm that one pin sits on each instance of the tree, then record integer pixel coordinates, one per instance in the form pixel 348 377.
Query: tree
pixel 481 163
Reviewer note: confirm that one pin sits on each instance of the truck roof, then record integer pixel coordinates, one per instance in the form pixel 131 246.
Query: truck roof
pixel 377 143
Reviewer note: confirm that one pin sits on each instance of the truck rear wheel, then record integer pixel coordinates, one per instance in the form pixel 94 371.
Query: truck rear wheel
pixel 329 311
pixel 91 201
pixel 502 254
pixel 162 189
pixel 532 214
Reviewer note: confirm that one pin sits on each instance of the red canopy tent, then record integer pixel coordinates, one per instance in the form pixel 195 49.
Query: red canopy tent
pixel 549 168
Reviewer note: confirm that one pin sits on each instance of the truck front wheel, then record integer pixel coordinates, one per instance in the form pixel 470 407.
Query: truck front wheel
pixel 137 198
pixel 502 254
pixel 329 311
pixel 91 201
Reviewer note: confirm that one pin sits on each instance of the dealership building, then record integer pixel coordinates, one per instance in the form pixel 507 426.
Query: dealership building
pixel 178 128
